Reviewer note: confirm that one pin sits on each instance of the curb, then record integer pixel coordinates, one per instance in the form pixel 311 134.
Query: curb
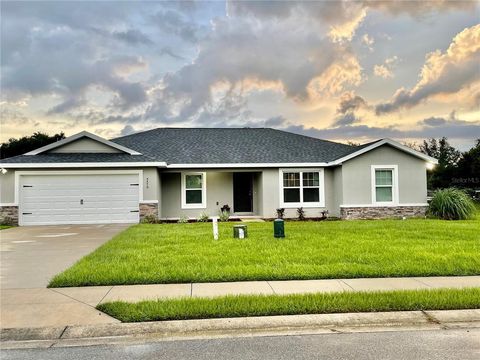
pixel 247 326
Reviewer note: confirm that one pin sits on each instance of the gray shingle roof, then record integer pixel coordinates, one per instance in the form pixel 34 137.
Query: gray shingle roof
pixel 209 146
pixel 232 146
pixel 75 158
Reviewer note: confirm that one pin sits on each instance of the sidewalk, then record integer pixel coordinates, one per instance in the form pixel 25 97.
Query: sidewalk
pixel 43 307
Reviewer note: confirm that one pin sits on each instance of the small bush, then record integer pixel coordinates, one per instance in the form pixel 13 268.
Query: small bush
pixel 301 213
pixel 280 213
pixel 224 215
pixel 203 217
pixel 451 204
pixel 150 219
pixel 183 220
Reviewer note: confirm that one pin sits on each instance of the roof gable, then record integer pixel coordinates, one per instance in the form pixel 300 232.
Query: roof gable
pixel 83 142
pixel 370 146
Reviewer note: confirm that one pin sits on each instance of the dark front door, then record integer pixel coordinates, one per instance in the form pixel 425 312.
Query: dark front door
pixel 242 192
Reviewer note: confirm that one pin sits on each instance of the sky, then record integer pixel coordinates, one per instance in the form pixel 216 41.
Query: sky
pixel 338 70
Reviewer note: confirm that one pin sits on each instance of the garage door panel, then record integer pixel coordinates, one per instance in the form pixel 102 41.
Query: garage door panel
pixel 79 199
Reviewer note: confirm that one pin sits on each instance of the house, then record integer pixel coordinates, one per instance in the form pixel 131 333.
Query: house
pixel 177 172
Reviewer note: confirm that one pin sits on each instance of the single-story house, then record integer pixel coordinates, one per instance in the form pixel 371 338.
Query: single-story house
pixel 182 172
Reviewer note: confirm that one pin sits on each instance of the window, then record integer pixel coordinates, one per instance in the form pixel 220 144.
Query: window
pixel 302 188
pixel 384 184
pixel 193 191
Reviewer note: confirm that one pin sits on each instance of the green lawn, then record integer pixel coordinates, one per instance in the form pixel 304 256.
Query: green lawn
pixel 262 305
pixel 171 253
pixel 3 227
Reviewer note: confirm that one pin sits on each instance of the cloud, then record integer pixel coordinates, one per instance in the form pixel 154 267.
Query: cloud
pixel 132 36
pixel 349 101
pixel 127 130
pixel 347 119
pixel 434 121
pixel 385 70
pixel 275 121
pixel 453 130
pixel 349 104
pixel 418 9
pixel 443 72
pixel 368 41
pixel 244 54
pixel 175 23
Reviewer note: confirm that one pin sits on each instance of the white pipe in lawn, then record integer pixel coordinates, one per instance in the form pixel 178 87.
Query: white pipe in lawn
pixel 215 227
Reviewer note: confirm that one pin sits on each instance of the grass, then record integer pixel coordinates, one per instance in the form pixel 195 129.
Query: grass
pixel 3 227
pixel 319 303
pixel 176 253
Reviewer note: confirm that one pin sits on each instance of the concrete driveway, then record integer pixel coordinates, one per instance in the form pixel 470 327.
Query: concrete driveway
pixel 31 255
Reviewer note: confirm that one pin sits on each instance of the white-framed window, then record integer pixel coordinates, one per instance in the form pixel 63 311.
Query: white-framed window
pixel 302 187
pixel 384 184
pixel 194 190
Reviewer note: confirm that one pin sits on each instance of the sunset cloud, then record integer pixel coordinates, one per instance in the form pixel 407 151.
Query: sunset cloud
pixel 443 72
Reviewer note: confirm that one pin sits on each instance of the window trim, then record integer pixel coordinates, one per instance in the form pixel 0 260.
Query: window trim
pixel 203 205
pixel 395 195
pixel 321 187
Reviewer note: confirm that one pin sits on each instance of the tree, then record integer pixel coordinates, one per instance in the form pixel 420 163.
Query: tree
pixel 25 144
pixel 446 154
pixel 448 157
pixel 468 168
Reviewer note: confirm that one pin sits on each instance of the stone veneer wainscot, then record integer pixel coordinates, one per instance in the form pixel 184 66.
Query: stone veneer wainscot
pixel 147 209
pixel 9 215
pixel 383 212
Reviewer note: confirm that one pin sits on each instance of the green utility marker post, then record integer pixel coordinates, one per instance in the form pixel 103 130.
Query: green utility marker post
pixel 279 228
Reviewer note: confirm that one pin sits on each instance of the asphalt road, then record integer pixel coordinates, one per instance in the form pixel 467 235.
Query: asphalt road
pixel 425 345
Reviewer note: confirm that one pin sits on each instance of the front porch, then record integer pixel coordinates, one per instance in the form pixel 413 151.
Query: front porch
pixel 188 194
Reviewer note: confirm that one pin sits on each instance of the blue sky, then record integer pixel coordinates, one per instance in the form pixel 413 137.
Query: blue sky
pixel 345 71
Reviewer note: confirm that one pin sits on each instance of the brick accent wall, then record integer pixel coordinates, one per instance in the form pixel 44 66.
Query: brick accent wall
pixel 148 209
pixel 9 215
pixel 385 212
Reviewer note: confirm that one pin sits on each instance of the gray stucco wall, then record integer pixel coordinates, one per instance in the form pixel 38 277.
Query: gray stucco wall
pixel 219 190
pixel 85 145
pixel 7 187
pixel 412 176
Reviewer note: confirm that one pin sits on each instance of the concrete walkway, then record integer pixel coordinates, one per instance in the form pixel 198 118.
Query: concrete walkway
pixel 42 307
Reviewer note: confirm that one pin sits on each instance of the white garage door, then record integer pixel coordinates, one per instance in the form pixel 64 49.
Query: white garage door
pixel 79 199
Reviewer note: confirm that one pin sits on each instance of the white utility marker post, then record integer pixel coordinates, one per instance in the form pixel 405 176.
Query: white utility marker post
pixel 215 227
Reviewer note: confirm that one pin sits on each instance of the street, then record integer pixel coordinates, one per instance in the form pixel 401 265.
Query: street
pixel 461 344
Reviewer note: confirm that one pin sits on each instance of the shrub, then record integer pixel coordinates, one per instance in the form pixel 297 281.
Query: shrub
pixel 224 215
pixel 301 213
pixel 150 219
pixel 451 204
pixel 203 217
pixel 280 213
pixel 183 220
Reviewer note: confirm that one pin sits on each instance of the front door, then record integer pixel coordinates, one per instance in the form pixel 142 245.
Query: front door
pixel 242 192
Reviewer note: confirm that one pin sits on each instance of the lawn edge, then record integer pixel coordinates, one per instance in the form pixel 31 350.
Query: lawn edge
pixel 240 306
